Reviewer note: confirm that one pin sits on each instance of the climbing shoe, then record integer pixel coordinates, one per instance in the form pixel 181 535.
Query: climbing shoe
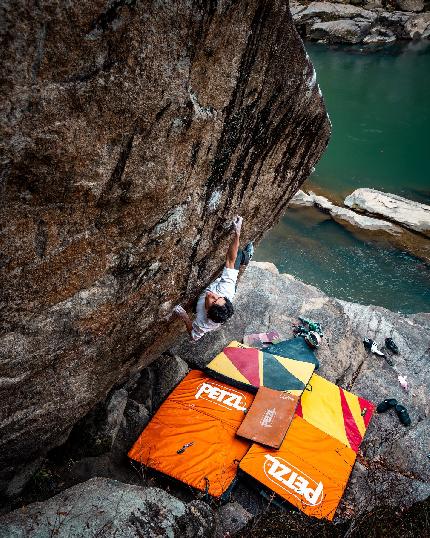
pixel 390 344
pixel 367 342
pixel 249 249
pixel 403 415
pixel 386 404
pixel 388 359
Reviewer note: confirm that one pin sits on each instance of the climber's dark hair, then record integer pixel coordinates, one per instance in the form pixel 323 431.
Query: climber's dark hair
pixel 220 314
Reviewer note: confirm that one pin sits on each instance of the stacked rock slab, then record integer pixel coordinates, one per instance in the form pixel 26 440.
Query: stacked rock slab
pixel 131 133
pixel 407 213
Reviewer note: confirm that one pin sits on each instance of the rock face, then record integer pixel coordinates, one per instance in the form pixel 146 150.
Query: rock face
pixel 407 213
pixel 392 466
pixel 130 133
pixel 107 508
pixel 356 21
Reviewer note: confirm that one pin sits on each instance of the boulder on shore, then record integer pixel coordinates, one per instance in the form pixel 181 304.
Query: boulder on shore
pixel 392 465
pixel 342 214
pixel 339 31
pixel 407 213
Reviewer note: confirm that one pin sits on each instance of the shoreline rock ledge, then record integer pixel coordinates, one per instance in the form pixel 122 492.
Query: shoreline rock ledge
pixel 368 227
pixel 407 213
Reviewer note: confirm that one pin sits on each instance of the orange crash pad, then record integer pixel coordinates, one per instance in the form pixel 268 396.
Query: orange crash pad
pixel 310 469
pixel 192 436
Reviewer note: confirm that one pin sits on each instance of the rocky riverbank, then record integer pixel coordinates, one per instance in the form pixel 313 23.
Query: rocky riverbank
pixel 391 469
pixel 368 22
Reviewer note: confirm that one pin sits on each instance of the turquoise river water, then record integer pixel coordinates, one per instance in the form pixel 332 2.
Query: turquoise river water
pixel 379 105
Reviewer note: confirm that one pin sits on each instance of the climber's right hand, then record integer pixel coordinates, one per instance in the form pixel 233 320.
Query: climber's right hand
pixel 237 224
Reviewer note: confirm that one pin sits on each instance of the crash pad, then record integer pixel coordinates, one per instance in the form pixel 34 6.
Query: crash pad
pixel 269 417
pixel 310 469
pixel 335 411
pixel 294 348
pixel 250 368
pixel 192 436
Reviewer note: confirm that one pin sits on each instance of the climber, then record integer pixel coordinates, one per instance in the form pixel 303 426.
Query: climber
pixel 214 304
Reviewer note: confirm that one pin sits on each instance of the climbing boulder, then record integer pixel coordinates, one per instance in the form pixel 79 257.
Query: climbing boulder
pixel 131 134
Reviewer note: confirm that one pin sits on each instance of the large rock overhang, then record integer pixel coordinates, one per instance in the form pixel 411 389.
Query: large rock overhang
pixel 131 133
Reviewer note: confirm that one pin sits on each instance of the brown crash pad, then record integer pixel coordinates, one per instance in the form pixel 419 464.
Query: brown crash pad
pixel 269 417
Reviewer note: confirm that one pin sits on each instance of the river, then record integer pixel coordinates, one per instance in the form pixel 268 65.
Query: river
pixel 379 105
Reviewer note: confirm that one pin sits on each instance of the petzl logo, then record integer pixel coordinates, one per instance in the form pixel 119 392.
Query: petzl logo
pixel 228 399
pixel 268 418
pixel 292 480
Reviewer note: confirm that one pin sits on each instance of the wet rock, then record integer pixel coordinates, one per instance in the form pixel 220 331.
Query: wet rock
pixel 379 34
pixel 131 133
pixel 230 519
pixel 109 508
pixel 418 26
pixel 391 453
pixel 339 31
pixel 407 213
